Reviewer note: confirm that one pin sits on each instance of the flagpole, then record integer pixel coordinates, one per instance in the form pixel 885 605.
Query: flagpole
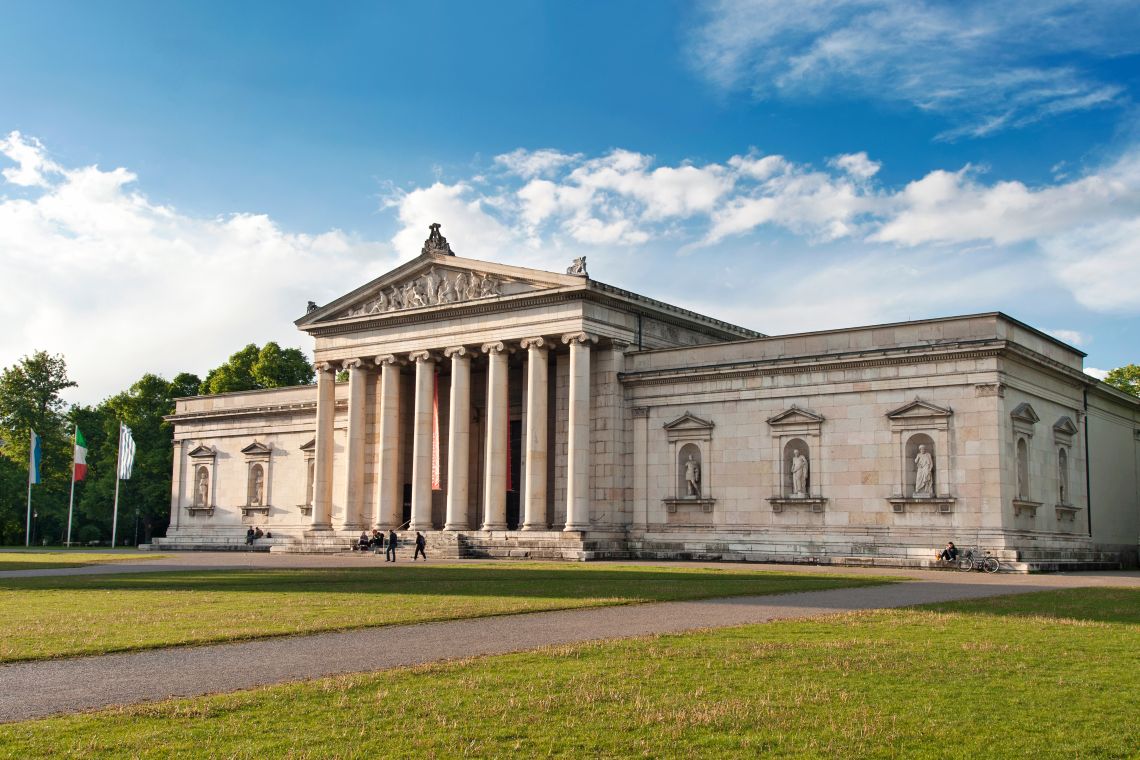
pixel 118 465
pixel 71 499
pixel 31 470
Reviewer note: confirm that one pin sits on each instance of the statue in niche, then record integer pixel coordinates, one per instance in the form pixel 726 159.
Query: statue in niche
pixel 923 473
pixel 256 486
pixel 202 488
pixel 799 474
pixel 693 477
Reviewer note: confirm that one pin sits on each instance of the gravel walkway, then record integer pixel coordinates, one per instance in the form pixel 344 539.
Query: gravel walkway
pixel 38 689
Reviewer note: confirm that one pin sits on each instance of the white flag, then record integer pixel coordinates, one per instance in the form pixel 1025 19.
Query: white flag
pixel 126 452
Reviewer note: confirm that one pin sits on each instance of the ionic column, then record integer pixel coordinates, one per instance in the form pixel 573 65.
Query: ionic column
pixel 322 472
pixel 578 433
pixel 495 463
pixel 389 490
pixel 534 503
pixel 459 439
pixel 354 447
pixel 421 440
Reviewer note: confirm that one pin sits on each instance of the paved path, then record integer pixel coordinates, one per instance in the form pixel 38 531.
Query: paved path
pixel 38 689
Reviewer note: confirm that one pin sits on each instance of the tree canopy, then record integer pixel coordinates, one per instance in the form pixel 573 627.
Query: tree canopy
pixel 1126 378
pixel 253 368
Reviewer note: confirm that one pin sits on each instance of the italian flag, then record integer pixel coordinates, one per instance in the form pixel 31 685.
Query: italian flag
pixel 80 456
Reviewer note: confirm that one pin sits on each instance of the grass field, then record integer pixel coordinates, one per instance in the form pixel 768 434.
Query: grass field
pixel 71 615
pixel 45 560
pixel 1046 675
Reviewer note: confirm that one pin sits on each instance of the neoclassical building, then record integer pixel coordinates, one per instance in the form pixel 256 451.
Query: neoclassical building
pixel 507 411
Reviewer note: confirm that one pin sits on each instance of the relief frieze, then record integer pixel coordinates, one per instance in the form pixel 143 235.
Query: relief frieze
pixel 433 288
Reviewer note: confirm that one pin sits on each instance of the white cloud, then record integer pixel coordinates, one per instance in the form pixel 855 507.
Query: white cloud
pixel 30 158
pixel 1099 374
pixel 122 286
pixel 535 163
pixel 987 66
pixel 856 164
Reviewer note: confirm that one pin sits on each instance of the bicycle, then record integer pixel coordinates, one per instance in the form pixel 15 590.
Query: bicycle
pixel 973 560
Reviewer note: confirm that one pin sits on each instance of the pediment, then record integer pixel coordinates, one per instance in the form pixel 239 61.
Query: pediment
pixel 795 416
pixel 1065 426
pixel 689 421
pixel 919 409
pixel 256 448
pixel 434 280
pixel 201 451
pixel 1025 413
pixel 310 446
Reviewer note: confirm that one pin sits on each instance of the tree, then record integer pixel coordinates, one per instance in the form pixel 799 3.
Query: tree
pixel 1126 378
pixel 30 400
pixel 252 368
pixel 147 493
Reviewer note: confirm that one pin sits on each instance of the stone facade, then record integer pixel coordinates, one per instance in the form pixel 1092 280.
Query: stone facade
pixel 495 406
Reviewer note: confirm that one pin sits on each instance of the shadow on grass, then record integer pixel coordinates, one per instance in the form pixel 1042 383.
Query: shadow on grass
pixel 1100 605
pixel 514 581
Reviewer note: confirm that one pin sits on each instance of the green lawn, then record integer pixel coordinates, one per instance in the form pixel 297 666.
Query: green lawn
pixel 71 615
pixel 45 560
pixel 1048 675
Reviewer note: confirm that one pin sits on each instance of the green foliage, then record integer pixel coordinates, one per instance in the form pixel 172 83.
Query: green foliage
pixel 185 384
pixel 1126 378
pixel 147 493
pixel 252 368
pixel 30 400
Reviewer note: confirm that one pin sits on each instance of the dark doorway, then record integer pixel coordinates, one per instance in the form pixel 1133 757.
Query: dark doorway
pixel 513 500
pixel 406 514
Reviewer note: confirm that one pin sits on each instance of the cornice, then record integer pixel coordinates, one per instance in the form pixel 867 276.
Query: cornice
pixel 250 411
pixel 810 363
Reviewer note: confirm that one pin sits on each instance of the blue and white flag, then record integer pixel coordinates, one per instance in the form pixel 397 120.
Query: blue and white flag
pixel 35 458
pixel 126 452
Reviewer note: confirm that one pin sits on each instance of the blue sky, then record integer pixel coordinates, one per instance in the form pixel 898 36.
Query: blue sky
pixel 180 179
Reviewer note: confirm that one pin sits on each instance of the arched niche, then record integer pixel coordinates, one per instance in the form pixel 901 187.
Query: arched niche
pixel 922 471
pixel 1063 497
pixel 201 498
pixel 255 486
pixel 797 469
pixel 690 471
pixel 1022 468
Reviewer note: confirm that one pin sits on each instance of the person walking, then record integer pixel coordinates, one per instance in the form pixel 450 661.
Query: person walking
pixel 420 544
pixel 390 552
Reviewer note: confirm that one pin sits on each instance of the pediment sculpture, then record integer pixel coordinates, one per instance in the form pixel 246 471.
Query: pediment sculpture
pixel 432 288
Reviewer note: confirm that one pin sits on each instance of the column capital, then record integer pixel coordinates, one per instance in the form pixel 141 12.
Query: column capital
pixel 327 366
pixel 454 351
pixel 536 342
pixel 579 337
pixel 392 359
pixel 352 364
pixel 422 356
pixel 640 412
pixel 495 347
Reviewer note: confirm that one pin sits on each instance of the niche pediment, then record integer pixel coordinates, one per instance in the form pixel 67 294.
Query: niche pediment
pixel 1023 412
pixel 1065 426
pixel 256 449
pixel 201 451
pixel 919 409
pixel 795 416
pixel 689 421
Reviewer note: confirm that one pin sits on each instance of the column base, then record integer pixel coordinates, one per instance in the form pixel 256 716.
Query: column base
pixel 494 526
pixel 455 526
pixel 320 526
pixel 536 526
pixel 420 526
pixel 575 528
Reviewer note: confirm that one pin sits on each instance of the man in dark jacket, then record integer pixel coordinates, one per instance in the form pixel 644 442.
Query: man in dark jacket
pixel 420 544
pixel 390 552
